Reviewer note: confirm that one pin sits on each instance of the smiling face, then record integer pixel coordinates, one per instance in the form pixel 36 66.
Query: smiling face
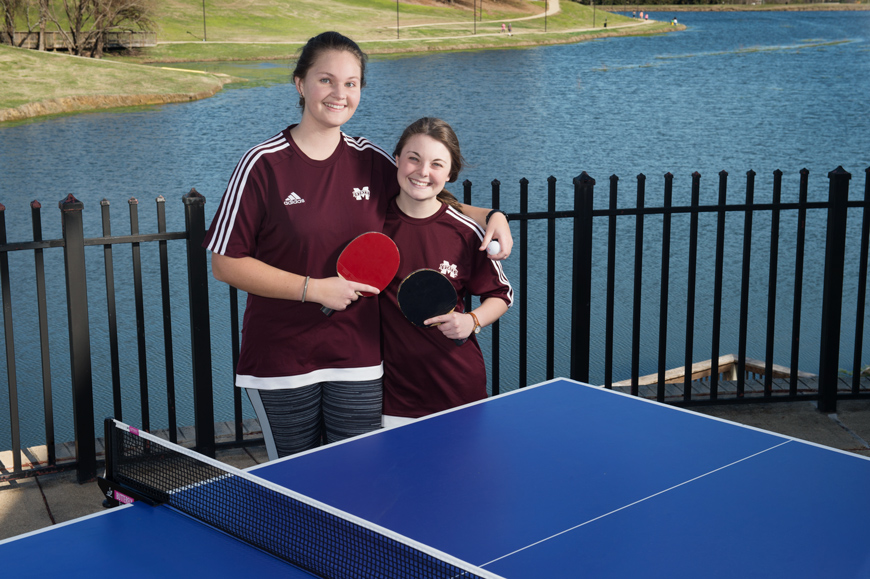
pixel 423 168
pixel 331 89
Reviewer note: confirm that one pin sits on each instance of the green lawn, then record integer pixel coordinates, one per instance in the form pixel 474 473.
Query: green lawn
pixel 248 30
pixel 32 76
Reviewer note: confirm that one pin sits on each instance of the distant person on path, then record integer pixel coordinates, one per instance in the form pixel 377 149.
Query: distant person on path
pixel 425 371
pixel 510 32
pixel 292 203
pixel 502 26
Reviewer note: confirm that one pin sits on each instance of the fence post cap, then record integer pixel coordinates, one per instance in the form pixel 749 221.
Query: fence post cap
pixel 193 197
pixel 584 178
pixel 70 203
pixel 840 172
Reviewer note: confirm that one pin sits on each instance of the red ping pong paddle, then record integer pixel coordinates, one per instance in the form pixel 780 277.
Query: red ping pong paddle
pixel 424 294
pixel 371 258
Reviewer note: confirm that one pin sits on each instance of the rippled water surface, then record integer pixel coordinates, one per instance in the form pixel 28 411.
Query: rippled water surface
pixel 734 92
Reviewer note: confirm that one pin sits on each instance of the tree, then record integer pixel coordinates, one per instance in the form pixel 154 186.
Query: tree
pixel 10 9
pixel 89 21
pixel 16 11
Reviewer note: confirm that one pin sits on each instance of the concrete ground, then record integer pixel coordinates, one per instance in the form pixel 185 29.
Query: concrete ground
pixel 30 504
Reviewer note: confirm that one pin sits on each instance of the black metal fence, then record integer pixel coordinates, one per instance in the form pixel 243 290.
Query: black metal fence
pixel 585 219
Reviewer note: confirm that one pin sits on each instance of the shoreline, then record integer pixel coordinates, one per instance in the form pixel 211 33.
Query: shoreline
pixel 485 41
pixel 90 103
pixel 93 103
pixel 761 7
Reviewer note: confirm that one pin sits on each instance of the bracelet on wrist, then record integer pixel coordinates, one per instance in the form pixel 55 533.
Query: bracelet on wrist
pixel 305 288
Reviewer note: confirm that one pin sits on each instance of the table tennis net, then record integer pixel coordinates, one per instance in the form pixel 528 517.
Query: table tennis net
pixel 302 531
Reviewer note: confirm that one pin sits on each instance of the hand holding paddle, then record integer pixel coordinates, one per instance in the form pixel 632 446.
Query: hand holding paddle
pixel 371 259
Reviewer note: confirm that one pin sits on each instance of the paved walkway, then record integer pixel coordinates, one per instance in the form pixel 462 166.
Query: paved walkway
pixel 30 504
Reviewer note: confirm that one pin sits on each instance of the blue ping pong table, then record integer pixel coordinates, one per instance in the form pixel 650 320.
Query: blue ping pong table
pixel 555 480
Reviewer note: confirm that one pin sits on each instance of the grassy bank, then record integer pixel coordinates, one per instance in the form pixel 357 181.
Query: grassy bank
pixel 422 29
pixel 38 83
pixel 47 83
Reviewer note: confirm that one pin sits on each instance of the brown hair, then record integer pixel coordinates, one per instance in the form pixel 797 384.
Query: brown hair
pixel 324 42
pixel 443 133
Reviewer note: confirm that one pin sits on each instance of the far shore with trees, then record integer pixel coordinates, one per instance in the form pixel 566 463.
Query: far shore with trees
pixel 41 81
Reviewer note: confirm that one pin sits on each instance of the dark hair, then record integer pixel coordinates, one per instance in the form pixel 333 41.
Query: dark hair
pixel 324 42
pixel 443 133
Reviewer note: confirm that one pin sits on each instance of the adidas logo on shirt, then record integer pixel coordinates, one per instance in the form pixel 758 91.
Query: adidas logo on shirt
pixel 293 199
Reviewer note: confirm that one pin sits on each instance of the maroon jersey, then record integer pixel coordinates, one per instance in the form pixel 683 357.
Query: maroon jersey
pixel 424 372
pixel 297 214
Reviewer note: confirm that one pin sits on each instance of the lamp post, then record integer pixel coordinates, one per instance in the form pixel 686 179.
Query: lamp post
pixel 593 12
pixel 203 21
pixel 397 19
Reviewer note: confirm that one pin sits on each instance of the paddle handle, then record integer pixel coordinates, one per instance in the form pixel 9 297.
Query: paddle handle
pixel 326 311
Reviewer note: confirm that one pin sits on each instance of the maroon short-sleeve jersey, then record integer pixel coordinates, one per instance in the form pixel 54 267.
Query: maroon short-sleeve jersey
pixel 424 372
pixel 297 214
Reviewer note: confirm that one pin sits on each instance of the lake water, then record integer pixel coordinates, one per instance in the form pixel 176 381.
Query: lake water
pixel 735 91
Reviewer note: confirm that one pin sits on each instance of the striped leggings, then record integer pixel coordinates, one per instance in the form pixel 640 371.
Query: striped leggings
pixel 297 419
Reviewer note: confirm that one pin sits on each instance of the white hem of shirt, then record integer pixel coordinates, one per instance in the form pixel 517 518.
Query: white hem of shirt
pixel 315 377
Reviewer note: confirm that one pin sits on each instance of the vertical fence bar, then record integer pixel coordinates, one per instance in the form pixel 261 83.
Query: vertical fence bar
pixel 798 282
pixel 717 286
pixel 581 305
pixel 44 353
pixel 744 284
pixel 690 289
pixel 140 316
pixel 235 346
pixel 466 196
pixel 663 291
pixel 638 284
pixel 551 276
pixel 79 338
pixel 494 370
pixel 857 362
pixel 112 311
pixel 771 283
pixel 832 294
pixel 524 283
pixel 9 337
pixel 200 329
pixel 167 321
pixel 611 283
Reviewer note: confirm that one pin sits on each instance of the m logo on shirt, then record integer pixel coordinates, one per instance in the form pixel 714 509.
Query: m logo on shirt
pixel 448 269
pixel 360 194
pixel 293 199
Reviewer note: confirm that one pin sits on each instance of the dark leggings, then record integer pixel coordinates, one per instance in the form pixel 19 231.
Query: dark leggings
pixel 297 419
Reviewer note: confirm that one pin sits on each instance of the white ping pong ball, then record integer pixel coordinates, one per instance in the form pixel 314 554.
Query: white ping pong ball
pixel 493 247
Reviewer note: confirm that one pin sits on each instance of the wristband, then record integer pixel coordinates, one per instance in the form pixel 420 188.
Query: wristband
pixel 488 215
pixel 305 289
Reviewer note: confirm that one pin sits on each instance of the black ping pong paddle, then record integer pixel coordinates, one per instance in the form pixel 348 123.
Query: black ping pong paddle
pixel 424 294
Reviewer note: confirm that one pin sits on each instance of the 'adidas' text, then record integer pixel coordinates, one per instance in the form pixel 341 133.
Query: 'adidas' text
pixel 293 199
